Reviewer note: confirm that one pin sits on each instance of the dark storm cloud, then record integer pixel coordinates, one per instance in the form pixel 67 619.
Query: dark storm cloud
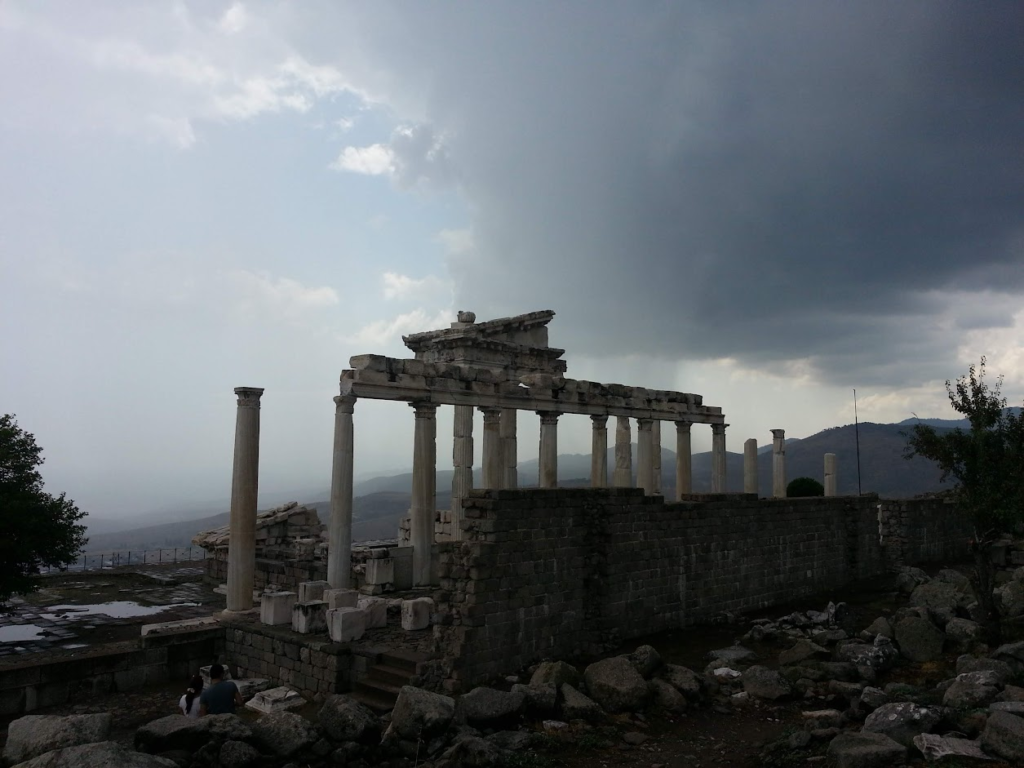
pixel 798 180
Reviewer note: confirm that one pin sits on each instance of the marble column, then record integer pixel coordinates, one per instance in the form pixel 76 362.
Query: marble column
pixel 779 463
pixel 509 448
pixel 644 456
pixel 548 469
pixel 599 452
pixel 623 453
pixel 718 458
pixel 830 474
pixel 462 461
pixel 684 470
pixel 424 491
pixel 750 466
pixel 493 461
pixel 245 477
pixel 656 455
pixel 339 535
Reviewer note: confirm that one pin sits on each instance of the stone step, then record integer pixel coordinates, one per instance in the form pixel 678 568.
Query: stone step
pixel 377 688
pixel 388 674
pixel 401 660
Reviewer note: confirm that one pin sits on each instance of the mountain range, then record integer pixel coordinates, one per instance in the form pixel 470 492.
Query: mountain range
pixel 380 501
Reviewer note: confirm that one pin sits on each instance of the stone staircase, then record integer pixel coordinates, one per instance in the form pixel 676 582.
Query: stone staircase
pixel 379 689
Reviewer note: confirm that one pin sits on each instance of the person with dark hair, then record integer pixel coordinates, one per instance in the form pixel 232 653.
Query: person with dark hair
pixel 221 697
pixel 189 702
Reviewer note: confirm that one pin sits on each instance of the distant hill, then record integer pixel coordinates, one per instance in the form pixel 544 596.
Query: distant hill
pixel 380 501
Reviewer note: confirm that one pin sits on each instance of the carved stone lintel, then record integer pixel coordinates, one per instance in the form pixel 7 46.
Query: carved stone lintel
pixel 249 397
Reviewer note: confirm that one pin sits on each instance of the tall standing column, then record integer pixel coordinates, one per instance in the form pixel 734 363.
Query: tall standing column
pixel 599 452
pixel 462 461
pixel 424 491
pixel 750 466
pixel 718 458
pixel 830 474
pixel 644 456
pixel 548 470
pixel 623 453
pixel 339 541
pixel 493 461
pixel 779 463
pixel 656 455
pixel 245 476
pixel 684 469
pixel 509 448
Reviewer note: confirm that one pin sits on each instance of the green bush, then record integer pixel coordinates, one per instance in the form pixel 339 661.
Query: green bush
pixel 804 486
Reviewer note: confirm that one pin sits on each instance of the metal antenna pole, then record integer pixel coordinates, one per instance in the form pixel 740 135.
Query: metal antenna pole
pixel 856 432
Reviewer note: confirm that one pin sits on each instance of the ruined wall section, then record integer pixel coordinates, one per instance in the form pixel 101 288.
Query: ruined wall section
pixel 926 530
pixel 571 573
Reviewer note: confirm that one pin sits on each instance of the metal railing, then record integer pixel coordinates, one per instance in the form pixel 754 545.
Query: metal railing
pixel 134 557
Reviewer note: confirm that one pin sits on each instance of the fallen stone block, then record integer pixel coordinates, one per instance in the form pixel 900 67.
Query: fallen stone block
pixel 346 625
pixel 276 607
pixel 341 598
pixel 416 613
pixel 311 591
pixel 278 699
pixel 376 610
pixel 380 572
pixel 34 735
pixel 309 618
pixel 866 750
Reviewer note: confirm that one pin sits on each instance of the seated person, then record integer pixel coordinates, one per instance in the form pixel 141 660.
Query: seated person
pixel 222 697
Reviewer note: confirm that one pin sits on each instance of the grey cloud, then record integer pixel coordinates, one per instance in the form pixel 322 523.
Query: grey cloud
pixel 765 182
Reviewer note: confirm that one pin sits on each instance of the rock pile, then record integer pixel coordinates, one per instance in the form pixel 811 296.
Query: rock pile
pixel 287 532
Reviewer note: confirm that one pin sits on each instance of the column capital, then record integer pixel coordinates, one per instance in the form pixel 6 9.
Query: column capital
pixel 249 397
pixel 718 429
pixel 345 403
pixel 548 417
pixel 684 426
pixel 424 410
pixel 600 420
pixel 491 414
pixel 644 424
pixel 778 433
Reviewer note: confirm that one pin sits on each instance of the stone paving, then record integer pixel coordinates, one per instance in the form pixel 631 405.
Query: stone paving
pixel 74 611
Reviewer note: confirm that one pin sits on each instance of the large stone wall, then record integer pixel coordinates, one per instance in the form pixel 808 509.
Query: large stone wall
pixel 573 572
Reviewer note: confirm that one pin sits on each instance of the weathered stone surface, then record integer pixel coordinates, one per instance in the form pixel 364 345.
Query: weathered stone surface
pixel 345 719
pixel 416 613
pixel 104 754
pixel 238 754
pixel 473 752
pixel 1011 598
pixel 34 735
pixel 938 747
pixel 542 697
pixel 938 596
pixel 909 578
pixel 880 626
pixel 919 640
pixel 576 706
pixel 278 699
pixel 963 632
pixel 556 673
pixel 801 651
pixel 172 732
pixel 967 663
pixel 872 698
pixel 902 721
pixel 733 655
pixel 513 741
pixel 666 696
pixel 1011 654
pixel 683 679
pixel 646 660
pixel 419 713
pixel 1011 693
pixel 616 685
pixel 866 750
pixel 880 655
pixel 1004 736
pixel 972 689
pixel 765 683
pixel 484 704
pixel 1013 707
pixel 284 733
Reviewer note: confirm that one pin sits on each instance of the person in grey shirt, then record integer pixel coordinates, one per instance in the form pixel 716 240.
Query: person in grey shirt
pixel 222 697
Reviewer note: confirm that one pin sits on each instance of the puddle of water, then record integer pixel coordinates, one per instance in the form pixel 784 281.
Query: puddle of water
pixel 118 609
pixel 19 633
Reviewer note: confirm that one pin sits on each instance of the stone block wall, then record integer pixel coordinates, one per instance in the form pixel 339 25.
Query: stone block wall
pixel 313 667
pixel 574 572
pixel 923 531
pixel 284 574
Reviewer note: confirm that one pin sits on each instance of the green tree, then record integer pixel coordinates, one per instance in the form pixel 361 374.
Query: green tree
pixel 36 528
pixel 986 462
pixel 804 486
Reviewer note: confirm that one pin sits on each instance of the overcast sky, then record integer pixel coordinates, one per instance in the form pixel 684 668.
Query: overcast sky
pixel 768 204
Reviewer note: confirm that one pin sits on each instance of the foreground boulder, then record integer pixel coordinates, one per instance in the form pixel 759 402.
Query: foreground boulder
pixel 556 673
pixel 902 721
pixel 764 683
pixel 1004 736
pixel 34 735
pixel 646 660
pixel 284 733
pixel 238 754
pixel 616 685
pixel 177 732
pixel 936 748
pixel 919 640
pixel 683 679
pixel 485 704
pixel 105 754
pixel 972 689
pixel 866 750
pixel 420 714
pixel 576 706
pixel 345 719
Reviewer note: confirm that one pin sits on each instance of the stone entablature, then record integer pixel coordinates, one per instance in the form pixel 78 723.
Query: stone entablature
pixel 377 377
